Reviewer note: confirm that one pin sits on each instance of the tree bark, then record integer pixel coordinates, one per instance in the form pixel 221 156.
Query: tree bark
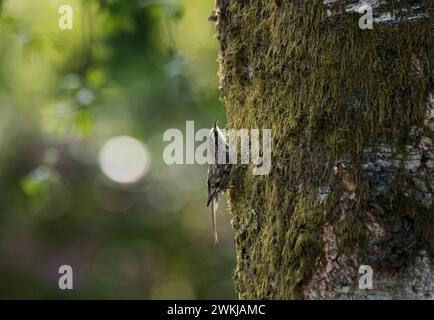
pixel 352 116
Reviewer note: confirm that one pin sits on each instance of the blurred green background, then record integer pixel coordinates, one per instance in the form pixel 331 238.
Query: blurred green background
pixel 82 178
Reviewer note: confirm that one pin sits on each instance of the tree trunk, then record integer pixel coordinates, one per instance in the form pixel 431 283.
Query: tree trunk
pixel 352 117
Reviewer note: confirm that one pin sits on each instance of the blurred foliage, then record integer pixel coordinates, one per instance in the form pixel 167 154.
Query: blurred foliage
pixel 132 68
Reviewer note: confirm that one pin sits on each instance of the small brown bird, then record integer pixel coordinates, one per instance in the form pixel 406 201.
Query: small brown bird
pixel 213 17
pixel 219 171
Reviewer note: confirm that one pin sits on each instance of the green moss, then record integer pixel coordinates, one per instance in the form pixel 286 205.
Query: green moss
pixel 326 89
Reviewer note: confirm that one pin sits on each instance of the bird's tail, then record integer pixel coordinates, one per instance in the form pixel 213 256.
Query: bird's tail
pixel 214 206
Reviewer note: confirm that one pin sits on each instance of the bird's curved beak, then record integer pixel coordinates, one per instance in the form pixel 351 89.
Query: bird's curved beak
pixel 215 124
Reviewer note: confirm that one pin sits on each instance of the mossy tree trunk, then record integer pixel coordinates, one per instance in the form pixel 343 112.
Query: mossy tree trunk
pixel 352 116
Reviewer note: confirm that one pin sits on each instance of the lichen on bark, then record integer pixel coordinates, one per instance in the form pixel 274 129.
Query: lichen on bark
pixel 348 112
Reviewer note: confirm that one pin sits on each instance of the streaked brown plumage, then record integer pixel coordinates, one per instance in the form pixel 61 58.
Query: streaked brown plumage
pixel 219 171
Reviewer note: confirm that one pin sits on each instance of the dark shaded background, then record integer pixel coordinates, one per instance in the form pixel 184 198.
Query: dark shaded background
pixel 128 68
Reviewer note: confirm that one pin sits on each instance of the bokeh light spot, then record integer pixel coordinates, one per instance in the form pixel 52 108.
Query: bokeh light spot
pixel 124 159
